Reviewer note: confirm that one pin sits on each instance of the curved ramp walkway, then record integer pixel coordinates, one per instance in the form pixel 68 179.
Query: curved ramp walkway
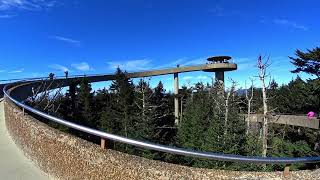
pixel 13 164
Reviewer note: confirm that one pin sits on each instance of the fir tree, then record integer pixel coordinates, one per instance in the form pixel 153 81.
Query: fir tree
pixel 308 62
pixel 145 111
pixel 163 121
pixel 85 100
pixel 119 118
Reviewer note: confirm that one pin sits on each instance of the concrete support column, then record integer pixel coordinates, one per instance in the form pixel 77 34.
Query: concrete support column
pixel 220 83
pixel 220 78
pixel 176 100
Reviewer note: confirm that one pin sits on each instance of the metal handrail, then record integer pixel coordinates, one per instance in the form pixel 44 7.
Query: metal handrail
pixel 163 148
pixel 44 77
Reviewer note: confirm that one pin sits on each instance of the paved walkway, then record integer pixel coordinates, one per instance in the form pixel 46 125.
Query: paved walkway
pixel 13 164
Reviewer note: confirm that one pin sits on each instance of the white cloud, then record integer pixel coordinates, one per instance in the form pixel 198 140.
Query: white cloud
pixel 26 4
pixel 187 77
pixel 131 65
pixel 83 66
pixel 186 62
pixel 249 63
pixel 147 64
pixel 183 62
pixel 242 60
pixel 199 77
pixel 16 71
pixel 6 16
pixel 195 61
pixel 59 67
pixel 67 40
pixel 176 62
pixel 276 63
pixel 245 63
pixel 291 24
pixel 35 74
pixel 202 77
pixel 246 66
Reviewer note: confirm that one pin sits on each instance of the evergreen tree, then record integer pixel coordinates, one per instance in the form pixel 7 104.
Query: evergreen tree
pixel 194 126
pixel 314 95
pixel 203 127
pixel 293 98
pixel 119 118
pixel 185 93
pixel 145 111
pixel 103 105
pixel 272 91
pixel 196 120
pixel 85 100
pixel 164 131
pixel 70 101
pixel 308 62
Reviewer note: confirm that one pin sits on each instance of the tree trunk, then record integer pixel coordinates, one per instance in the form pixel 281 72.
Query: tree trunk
pixel 265 120
pixel 262 75
pixel 249 100
pixel 181 108
pixel 248 117
pixel 226 115
pixel 143 103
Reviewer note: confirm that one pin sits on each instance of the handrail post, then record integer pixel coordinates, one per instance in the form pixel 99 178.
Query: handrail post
pixel 286 172
pixel 103 143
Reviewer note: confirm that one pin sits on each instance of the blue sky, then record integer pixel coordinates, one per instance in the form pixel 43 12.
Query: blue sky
pixel 92 37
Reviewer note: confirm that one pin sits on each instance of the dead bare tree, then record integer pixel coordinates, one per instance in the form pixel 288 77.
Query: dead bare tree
pixel 146 94
pixel 248 102
pixel 181 107
pixel 147 109
pixel 230 93
pixel 216 95
pixel 262 68
pixel 223 100
pixel 46 96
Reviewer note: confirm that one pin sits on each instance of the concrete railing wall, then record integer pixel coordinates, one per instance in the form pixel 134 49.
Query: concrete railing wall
pixel 64 156
pixel 293 120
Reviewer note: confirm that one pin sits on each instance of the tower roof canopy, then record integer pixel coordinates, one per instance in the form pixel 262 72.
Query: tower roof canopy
pixel 219 58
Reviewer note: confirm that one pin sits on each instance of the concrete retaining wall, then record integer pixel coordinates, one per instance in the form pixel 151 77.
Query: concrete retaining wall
pixel 67 157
